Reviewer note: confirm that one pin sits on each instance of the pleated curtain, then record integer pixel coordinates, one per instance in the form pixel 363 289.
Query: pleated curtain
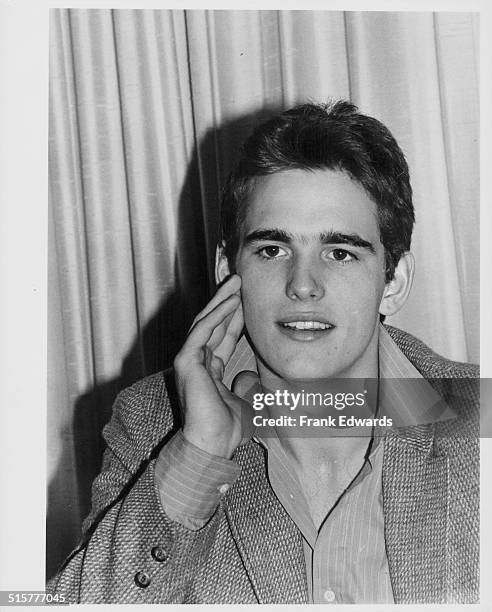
pixel 147 111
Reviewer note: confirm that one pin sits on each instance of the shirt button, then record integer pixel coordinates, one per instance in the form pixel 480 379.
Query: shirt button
pixel 158 553
pixel 223 488
pixel 142 579
pixel 329 596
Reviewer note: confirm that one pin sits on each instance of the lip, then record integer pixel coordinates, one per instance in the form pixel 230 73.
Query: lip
pixel 304 316
pixel 305 335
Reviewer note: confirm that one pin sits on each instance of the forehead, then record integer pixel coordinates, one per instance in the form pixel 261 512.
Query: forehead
pixel 309 202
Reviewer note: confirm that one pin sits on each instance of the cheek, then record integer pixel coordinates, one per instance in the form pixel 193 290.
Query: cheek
pixel 257 287
pixel 362 299
pixel 260 303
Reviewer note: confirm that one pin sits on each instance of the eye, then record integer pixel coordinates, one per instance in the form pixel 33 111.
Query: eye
pixel 271 251
pixel 341 255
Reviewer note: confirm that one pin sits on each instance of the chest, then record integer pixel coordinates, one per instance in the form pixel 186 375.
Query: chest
pixel 325 477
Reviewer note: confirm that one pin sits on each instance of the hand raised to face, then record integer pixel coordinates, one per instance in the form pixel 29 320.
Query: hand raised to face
pixel 212 413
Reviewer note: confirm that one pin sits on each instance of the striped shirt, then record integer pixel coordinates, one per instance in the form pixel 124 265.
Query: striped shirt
pixel 346 558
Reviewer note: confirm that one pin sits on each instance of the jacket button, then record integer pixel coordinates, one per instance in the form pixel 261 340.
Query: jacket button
pixel 142 579
pixel 158 553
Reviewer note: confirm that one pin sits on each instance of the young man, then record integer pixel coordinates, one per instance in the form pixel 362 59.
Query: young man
pixel 194 505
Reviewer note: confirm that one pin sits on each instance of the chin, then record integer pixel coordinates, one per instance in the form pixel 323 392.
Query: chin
pixel 300 369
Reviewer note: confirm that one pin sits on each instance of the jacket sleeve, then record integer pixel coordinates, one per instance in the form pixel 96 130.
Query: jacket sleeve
pixel 131 551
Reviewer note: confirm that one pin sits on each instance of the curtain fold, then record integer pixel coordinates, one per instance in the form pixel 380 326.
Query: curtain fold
pixel 148 109
pixel 458 71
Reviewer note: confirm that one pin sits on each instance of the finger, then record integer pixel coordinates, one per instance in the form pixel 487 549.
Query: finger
pixel 220 331
pixel 245 385
pixel 214 365
pixel 234 319
pixel 230 287
pixel 233 331
pixel 217 369
pixel 202 331
pixel 242 409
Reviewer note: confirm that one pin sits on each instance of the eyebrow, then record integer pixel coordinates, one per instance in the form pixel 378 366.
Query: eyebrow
pixel 332 237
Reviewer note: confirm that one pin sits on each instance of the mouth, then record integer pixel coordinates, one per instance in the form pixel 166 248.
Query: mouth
pixel 303 325
pixel 305 329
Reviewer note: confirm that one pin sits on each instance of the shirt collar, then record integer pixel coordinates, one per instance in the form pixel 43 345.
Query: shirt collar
pixel 404 394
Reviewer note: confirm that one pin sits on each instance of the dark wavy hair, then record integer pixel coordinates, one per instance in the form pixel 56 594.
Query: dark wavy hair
pixel 332 136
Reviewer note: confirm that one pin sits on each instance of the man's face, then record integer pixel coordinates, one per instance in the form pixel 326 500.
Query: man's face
pixel 312 268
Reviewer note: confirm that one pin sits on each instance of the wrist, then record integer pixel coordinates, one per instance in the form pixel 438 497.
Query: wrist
pixel 214 444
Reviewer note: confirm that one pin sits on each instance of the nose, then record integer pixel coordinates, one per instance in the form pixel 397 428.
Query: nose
pixel 305 281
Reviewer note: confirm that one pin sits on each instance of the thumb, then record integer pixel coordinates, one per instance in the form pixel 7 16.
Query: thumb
pixel 245 385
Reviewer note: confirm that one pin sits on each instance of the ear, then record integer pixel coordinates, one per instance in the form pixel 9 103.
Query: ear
pixel 397 290
pixel 221 264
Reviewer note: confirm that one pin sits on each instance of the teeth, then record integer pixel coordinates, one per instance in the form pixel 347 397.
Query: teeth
pixel 307 325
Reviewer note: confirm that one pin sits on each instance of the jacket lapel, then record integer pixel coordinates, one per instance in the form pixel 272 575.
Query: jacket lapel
pixel 268 541
pixel 415 497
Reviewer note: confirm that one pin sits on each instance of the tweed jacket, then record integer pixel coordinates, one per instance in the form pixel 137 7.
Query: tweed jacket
pixel 251 551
